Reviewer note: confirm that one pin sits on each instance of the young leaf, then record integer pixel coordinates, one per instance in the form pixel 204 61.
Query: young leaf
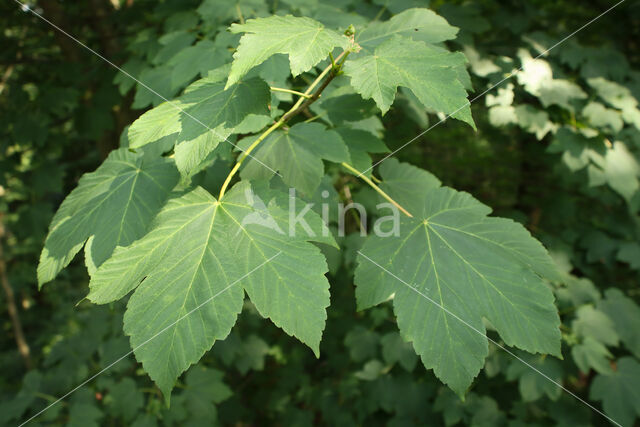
pixel 190 270
pixel 429 72
pixel 305 40
pixel 297 154
pixel 449 267
pixel 113 206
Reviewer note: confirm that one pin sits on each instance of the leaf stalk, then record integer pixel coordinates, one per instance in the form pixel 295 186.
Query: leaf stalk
pixel 375 187
pixel 301 104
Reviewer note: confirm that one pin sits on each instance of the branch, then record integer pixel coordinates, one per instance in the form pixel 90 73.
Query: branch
pixel 23 347
pixel 306 99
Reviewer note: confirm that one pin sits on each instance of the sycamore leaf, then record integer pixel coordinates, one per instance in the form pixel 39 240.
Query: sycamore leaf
pixel 402 180
pixel 625 314
pixel 419 24
pixel 451 256
pixel 305 40
pixel 203 117
pixel 190 270
pixel 216 11
pixel 296 154
pixel 113 206
pixel 532 385
pixel 619 391
pixel 429 72
pixel 593 323
pixel 591 353
pixel 197 59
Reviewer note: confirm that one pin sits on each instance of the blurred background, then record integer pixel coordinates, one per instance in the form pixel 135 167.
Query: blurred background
pixel 557 148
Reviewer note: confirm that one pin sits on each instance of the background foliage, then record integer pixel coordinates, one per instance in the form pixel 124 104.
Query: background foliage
pixel 557 149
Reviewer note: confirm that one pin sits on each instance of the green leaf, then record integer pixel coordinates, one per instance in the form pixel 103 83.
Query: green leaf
pixel 614 94
pixel 621 170
pixel 305 40
pixel 532 385
pixel 225 10
pixel 125 399
pixel 395 349
pixel 296 154
pixel 402 180
pixel 111 206
pixel 619 391
pixel 362 343
pixel 204 389
pixel 593 323
pixel 196 60
pixel 360 143
pixel 429 72
pixel 419 24
pixel 251 354
pixel 190 270
pixel 602 117
pixel 160 78
pixel 204 116
pixel 590 353
pixel 625 314
pixel 451 256
pixel 560 92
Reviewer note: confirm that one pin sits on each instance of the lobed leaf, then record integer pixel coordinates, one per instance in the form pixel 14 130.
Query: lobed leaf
pixel 449 267
pixel 304 40
pixel 190 270
pixel 429 72
pixel 111 206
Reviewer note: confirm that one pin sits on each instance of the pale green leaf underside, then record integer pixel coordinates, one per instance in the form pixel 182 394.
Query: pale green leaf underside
pixel 113 206
pixel 429 72
pixel 297 155
pixel 204 116
pixel 199 248
pixel 305 40
pixel 472 265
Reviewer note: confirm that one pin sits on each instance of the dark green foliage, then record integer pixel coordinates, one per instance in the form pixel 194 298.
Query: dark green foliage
pixel 554 150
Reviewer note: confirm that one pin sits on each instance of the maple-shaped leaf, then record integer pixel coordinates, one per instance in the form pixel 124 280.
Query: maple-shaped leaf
pixel 619 391
pixel 625 314
pixel 418 23
pixel 306 41
pixel 430 72
pixel 532 385
pixel 197 59
pixel 449 267
pixel 296 154
pixel 190 270
pixel 111 206
pixel 205 115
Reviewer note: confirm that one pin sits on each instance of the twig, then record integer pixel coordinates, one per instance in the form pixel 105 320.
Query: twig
pixel 297 108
